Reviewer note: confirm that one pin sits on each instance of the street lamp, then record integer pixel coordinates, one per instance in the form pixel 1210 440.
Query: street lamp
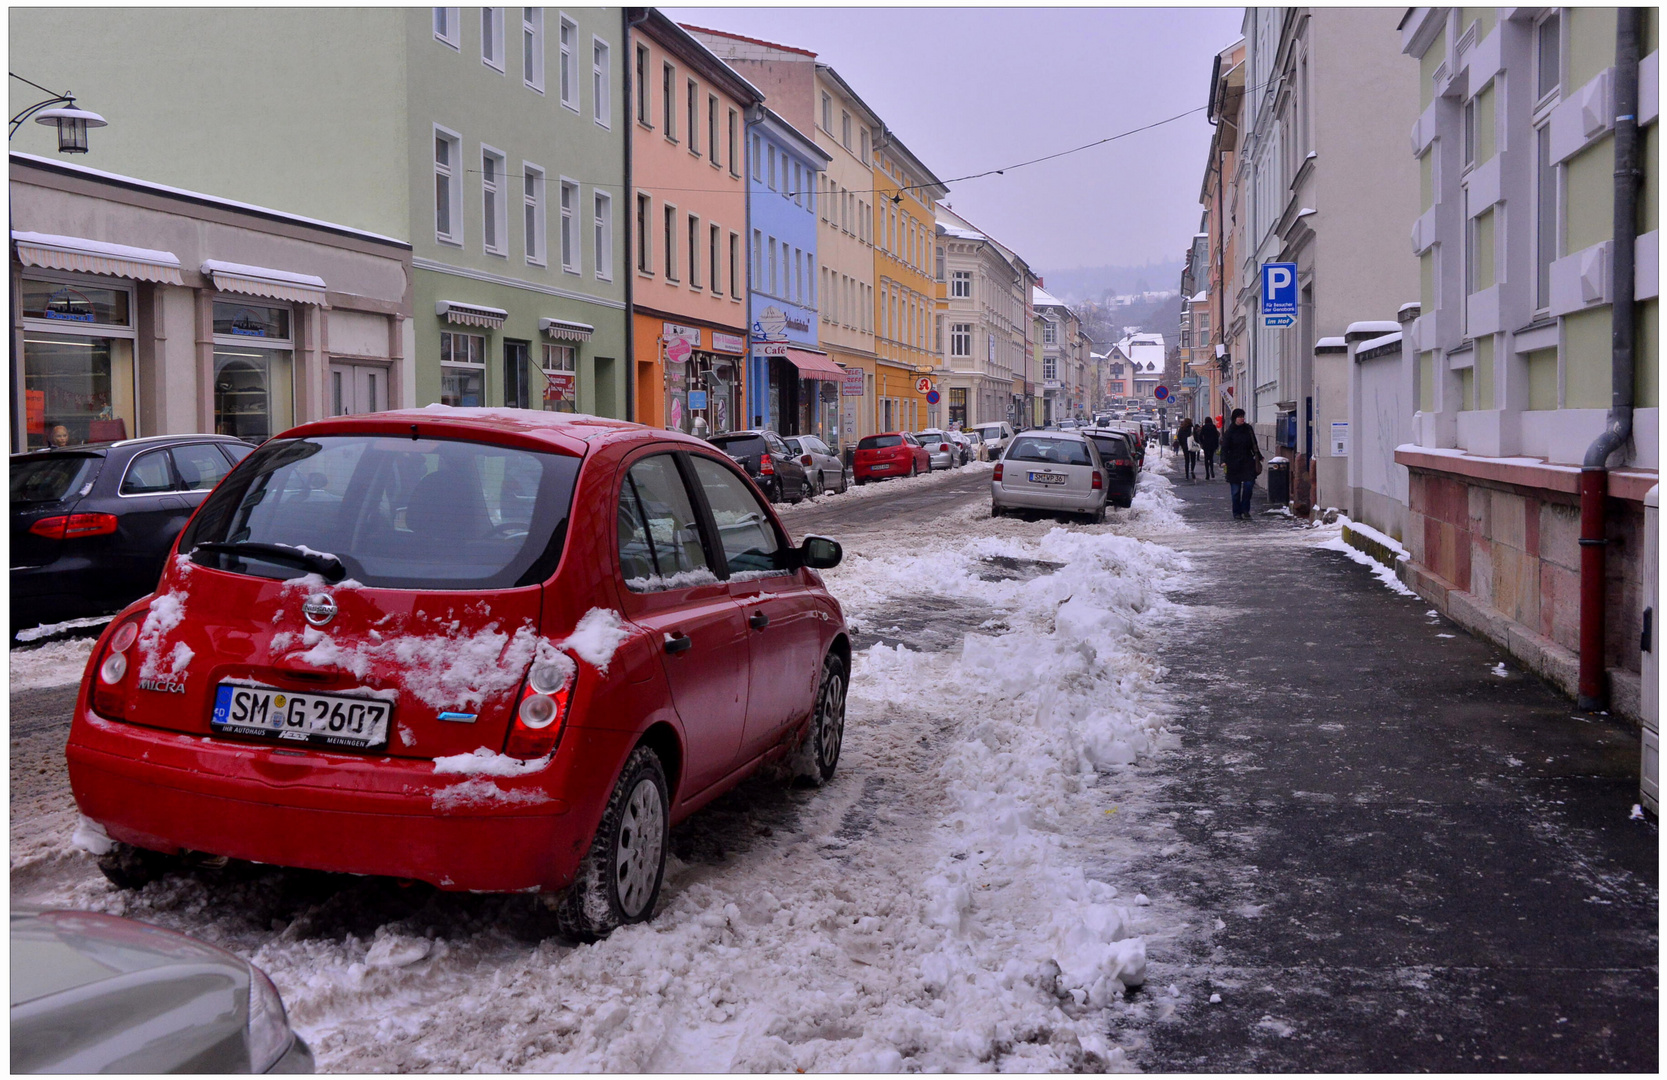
pixel 72 122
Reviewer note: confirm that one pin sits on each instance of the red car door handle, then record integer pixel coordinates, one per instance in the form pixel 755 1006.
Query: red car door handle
pixel 678 642
pixel 758 620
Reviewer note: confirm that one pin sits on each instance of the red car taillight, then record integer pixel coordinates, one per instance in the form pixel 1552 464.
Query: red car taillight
pixel 1098 483
pixel 766 467
pixel 1122 463
pixel 542 711
pixel 109 692
pixel 998 471
pixel 943 448
pixel 72 526
pixel 806 461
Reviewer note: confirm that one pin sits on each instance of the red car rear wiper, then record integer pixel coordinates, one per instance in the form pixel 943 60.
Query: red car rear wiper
pixel 327 566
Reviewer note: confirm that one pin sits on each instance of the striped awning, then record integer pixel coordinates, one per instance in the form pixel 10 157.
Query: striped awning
pixel 261 281
pixel 566 330
pixel 471 314
pixel 51 252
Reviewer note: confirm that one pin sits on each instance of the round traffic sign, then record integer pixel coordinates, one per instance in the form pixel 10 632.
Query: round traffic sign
pixel 933 397
pixel 1161 393
pixel 923 384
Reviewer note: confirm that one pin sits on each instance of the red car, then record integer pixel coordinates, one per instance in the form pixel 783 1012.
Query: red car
pixel 493 650
pixel 896 453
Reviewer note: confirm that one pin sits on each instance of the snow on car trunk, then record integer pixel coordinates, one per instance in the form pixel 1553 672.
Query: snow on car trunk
pixel 947 902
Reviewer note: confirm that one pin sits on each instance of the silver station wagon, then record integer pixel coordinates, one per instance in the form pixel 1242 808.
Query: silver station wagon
pixel 1057 472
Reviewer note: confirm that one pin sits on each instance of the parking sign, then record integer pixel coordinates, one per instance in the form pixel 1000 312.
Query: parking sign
pixel 1279 294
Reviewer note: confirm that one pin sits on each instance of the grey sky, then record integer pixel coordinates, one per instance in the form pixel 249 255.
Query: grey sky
pixel 969 89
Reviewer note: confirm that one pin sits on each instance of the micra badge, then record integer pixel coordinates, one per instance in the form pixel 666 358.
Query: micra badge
pixel 162 687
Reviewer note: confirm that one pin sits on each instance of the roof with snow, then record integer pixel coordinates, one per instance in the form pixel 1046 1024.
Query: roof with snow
pixel 1042 298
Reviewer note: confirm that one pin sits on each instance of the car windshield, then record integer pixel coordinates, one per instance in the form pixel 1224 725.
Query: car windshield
pixel 879 442
pixel 397 512
pixel 1051 451
pixel 740 445
pixel 992 432
pixel 51 477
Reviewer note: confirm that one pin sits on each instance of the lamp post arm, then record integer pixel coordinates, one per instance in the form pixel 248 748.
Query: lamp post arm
pixel 18 120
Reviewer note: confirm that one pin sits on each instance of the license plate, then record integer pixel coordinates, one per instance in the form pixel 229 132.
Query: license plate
pixel 1046 478
pixel 877 468
pixel 318 719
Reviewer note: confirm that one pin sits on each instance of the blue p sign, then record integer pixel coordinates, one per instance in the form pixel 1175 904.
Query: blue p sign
pixel 1279 288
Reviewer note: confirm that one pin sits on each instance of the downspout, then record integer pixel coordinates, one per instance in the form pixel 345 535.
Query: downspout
pixel 1594 475
pixel 628 210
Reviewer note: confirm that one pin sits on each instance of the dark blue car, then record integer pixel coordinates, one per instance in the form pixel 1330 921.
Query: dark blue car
pixel 91 524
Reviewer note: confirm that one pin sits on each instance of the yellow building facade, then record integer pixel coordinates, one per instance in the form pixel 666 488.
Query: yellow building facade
pixel 906 289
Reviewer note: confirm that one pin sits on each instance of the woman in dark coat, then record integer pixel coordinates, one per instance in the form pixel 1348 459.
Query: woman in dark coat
pixel 1240 456
pixel 1209 440
pixel 1184 435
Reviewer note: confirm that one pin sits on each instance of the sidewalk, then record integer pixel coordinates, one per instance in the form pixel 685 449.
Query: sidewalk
pixel 1417 863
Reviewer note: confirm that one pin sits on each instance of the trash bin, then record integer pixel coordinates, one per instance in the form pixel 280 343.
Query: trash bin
pixel 1279 481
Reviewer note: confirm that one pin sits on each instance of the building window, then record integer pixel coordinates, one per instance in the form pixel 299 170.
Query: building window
pixel 712 128
pixel 757 159
pixel 448 27
pixel 494 213
pixel 1050 335
pixel 694 117
pixel 254 389
pixel 462 369
pixel 1545 217
pixel 569 33
pixel 1549 53
pixel 960 284
pixel 1050 368
pixel 561 380
pixel 492 37
pixel 827 112
pixel 694 252
pixel 77 387
pixel 845 130
pixel 940 266
pixel 770 168
pixel 532 48
pixel 862 134
pixel 734 145
pixel 601 82
pixel 735 266
pixel 757 284
pixel 604 236
pixel 448 186
pixel 712 247
pixel 772 282
pixel 643 117
pixel 668 100
pixel 645 249
pixel 960 339
pixel 532 204
pixel 1469 139
pixel 670 238
pixel 570 227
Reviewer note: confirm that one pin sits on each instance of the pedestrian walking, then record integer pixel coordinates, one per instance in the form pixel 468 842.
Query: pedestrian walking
pixel 1241 459
pixel 1209 440
pixel 1189 453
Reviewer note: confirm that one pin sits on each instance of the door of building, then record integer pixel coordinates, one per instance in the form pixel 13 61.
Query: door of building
pixel 357 388
pixel 517 392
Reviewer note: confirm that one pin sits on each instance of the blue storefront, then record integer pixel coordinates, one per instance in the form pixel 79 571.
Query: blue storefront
pixel 787 374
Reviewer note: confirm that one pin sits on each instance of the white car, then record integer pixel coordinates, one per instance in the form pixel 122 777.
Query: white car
pixel 942 452
pixel 1058 472
pixel 995 436
pixel 822 465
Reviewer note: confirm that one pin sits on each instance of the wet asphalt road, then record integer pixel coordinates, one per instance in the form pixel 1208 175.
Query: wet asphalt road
pixel 1417 864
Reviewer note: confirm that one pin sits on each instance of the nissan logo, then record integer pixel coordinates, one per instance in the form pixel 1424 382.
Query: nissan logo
pixel 319 609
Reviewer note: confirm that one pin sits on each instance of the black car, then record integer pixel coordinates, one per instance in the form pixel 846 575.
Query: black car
pixel 1120 464
pixel 91 524
pixel 769 461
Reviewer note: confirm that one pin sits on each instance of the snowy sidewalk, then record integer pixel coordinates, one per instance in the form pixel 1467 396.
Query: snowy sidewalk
pixel 1410 855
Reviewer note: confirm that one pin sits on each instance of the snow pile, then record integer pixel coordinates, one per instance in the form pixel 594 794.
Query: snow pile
pixel 1330 538
pixel 58 663
pixel 167 611
pixel 483 792
pixel 484 762
pixel 597 637
pixel 48 629
pixel 444 671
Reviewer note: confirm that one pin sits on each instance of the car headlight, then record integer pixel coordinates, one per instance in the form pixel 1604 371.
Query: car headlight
pixel 269 1034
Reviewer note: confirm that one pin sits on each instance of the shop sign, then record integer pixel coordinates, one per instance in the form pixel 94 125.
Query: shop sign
pixel 853 384
pixel 678 351
pixel 674 332
pixel 923 385
pixel 67 305
pixel 697 399
pixel 730 343
pixel 772 348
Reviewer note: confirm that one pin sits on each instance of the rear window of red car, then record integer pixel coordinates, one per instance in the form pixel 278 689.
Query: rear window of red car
pixel 397 512
pixel 880 442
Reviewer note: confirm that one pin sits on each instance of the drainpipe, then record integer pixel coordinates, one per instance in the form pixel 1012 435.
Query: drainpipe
pixel 1594 475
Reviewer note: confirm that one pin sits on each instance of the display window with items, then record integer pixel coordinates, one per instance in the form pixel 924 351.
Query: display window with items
pixel 561 379
pixel 462 369
pixel 254 370
pixel 77 369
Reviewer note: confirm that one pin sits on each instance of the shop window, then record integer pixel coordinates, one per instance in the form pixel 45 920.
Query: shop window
pixel 254 386
pixel 462 369
pixel 77 385
pixel 561 379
